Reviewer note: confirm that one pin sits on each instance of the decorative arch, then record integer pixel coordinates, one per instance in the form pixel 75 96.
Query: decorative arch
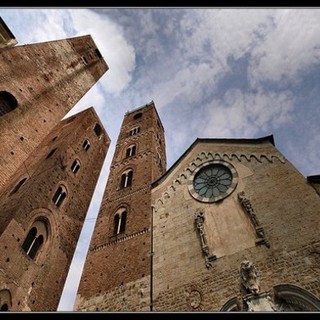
pixel 230 305
pixel 289 297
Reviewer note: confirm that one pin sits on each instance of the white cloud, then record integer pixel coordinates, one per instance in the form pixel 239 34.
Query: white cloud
pixel 291 46
pixel 245 114
pixel 108 36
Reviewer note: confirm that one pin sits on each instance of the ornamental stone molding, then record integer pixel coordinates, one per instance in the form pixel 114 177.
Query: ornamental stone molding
pixel 204 157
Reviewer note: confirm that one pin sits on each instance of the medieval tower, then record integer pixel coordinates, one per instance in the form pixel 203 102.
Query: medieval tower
pixel 49 168
pixel 117 271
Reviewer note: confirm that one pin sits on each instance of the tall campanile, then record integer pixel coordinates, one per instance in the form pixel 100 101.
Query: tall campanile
pixel 117 271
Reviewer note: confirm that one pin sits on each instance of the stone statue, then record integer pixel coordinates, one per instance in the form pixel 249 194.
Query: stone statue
pixel 249 277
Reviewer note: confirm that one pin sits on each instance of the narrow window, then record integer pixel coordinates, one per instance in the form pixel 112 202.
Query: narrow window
pixel 35 246
pixel 29 239
pixel 18 186
pixel 97 129
pixel 123 221
pixel 7 102
pixel 32 243
pixel 59 196
pixel 131 151
pixel 126 179
pixel 134 131
pixel 86 145
pixel 120 220
pixel 75 166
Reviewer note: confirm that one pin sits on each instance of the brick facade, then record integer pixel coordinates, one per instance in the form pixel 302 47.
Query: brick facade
pixel 116 275
pixel 42 82
pixel 47 176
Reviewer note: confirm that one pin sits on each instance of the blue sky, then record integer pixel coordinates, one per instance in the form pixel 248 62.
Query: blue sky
pixel 212 73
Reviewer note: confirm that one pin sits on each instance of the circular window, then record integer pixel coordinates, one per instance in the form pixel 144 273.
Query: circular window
pixel 213 181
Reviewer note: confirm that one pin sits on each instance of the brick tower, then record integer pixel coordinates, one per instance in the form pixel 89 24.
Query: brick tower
pixel 48 167
pixel 39 84
pixel 117 271
pixel 43 209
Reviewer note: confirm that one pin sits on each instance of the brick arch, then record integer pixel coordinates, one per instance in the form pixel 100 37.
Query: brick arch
pixel 8 103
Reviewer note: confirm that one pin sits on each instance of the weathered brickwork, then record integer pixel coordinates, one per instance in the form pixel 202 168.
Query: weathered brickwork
pixel 41 82
pixel 129 297
pixel 120 260
pixel 36 283
pixel 285 205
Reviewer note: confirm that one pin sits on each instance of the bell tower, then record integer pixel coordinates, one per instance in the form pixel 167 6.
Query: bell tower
pixel 117 271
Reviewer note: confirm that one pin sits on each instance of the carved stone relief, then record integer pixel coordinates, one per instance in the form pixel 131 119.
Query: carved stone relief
pixel 246 205
pixel 199 220
pixel 194 298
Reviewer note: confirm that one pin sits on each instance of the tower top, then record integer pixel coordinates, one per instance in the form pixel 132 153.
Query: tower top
pixel 151 103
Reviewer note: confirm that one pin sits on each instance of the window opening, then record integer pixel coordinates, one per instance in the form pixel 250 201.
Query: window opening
pixel 75 166
pixel 59 196
pixel 18 186
pixel 86 145
pixel 7 103
pixel 131 151
pixel 97 129
pixel 126 179
pixel 120 220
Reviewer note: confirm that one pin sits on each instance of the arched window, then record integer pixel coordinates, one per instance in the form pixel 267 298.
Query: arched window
pixel 59 196
pixel 5 300
pixel 18 186
pixel 7 102
pixel 35 239
pixel 126 179
pixel 86 145
pixel 134 131
pixel 119 221
pixel 75 166
pixel 131 151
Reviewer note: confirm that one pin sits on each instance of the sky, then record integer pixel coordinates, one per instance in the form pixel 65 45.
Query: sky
pixel 211 72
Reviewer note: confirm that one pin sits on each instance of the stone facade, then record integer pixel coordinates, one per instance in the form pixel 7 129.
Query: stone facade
pixel 271 218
